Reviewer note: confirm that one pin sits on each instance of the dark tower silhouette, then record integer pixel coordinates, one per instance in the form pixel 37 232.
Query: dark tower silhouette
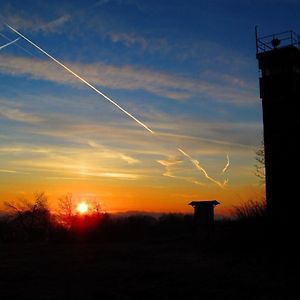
pixel 279 62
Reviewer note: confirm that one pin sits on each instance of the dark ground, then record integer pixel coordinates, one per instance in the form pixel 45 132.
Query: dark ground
pixel 162 268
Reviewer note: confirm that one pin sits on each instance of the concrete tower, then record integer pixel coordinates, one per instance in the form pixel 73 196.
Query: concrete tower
pixel 279 62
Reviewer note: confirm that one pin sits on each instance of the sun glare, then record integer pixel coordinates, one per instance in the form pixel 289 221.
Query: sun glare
pixel 82 207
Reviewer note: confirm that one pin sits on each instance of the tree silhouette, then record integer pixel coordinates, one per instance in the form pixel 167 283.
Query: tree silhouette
pixel 66 210
pixel 33 218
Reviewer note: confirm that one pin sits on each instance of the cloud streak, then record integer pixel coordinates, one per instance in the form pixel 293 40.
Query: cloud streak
pixel 8 171
pixel 16 114
pixel 112 154
pixel 124 176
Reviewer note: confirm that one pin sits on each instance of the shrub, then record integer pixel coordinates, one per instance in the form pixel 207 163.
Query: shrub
pixel 252 209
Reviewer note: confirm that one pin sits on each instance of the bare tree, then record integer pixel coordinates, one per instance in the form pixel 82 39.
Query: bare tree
pixel 33 217
pixel 66 210
pixel 97 207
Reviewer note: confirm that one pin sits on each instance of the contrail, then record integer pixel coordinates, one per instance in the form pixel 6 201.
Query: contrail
pixel 12 42
pixel 82 79
pixel 227 164
pixel 198 166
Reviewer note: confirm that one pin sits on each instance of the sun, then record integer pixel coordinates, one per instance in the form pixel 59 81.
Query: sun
pixel 82 207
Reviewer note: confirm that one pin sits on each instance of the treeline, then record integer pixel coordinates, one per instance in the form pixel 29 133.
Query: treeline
pixel 33 221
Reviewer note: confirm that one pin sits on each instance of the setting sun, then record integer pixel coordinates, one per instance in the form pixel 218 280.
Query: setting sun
pixel 82 207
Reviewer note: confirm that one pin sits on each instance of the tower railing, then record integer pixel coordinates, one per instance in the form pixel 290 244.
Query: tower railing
pixel 277 40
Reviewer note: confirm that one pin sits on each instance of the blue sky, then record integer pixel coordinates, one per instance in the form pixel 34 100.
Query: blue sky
pixel 187 69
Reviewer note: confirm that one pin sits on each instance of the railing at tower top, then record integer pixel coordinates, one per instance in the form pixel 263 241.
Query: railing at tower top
pixel 277 40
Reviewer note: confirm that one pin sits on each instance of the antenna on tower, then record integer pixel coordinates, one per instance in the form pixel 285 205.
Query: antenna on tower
pixel 256 37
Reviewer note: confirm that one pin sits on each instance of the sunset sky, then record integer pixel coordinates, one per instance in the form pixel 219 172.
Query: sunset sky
pixel 187 69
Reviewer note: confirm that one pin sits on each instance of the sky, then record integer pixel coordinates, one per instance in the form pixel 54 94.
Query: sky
pixel 185 69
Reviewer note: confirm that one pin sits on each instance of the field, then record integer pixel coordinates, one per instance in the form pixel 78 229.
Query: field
pixel 164 267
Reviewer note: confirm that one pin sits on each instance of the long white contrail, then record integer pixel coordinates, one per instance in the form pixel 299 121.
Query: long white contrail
pixel 201 169
pixel 12 42
pixel 82 79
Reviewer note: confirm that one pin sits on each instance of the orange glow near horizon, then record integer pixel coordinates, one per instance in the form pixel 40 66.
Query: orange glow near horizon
pixel 141 195
pixel 82 208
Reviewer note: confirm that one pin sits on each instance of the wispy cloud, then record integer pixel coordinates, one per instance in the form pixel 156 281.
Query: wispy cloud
pixel 72 149
pixel 202 52
pixel 32 149
pixel 200 137
pixel 68 162
pixel 128 39
pixel 107 25
pixel 13 172
pixel 170 164
pixel 213 138
pixel 129 78
pixel 174 170
pixel 123 176
pixel 16 114
pixel 73 168
pixel 132 39
pixel 53 25
pixel 7 171
pixel 112 153
pixel 33 22
pixel 66 178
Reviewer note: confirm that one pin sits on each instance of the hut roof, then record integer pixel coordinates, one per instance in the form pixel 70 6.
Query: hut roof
pixel 204 203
